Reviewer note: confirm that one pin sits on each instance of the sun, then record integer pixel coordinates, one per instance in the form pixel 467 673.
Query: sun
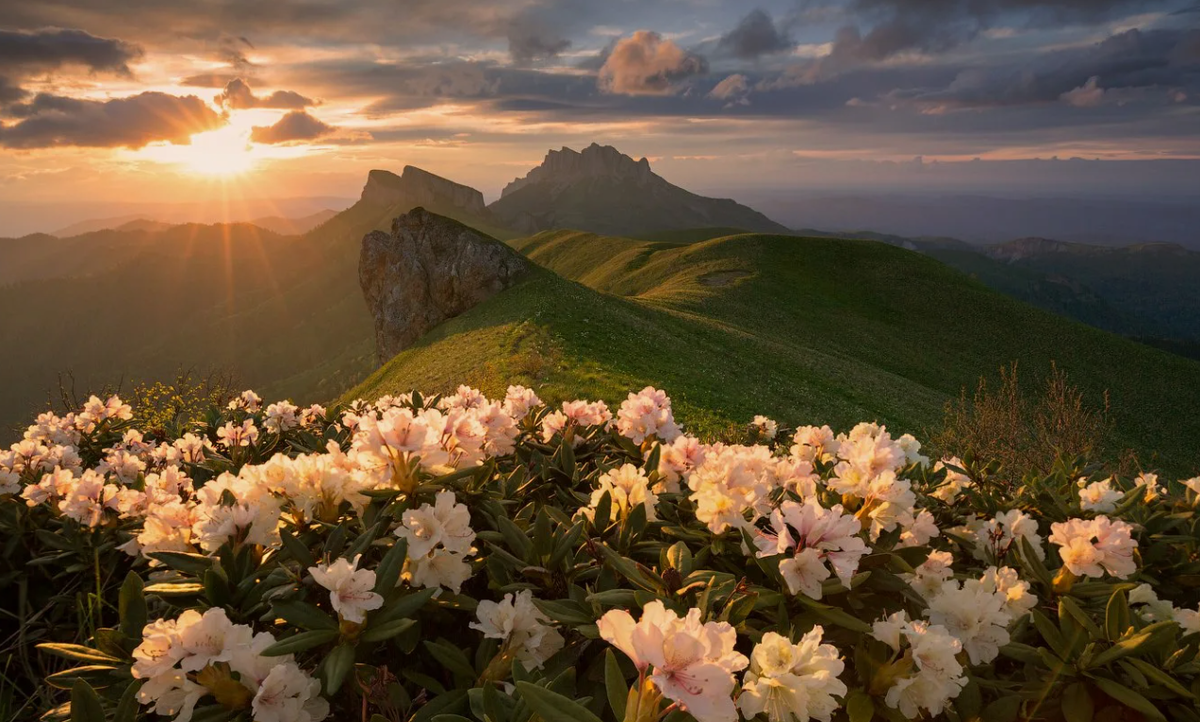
pixel 221 153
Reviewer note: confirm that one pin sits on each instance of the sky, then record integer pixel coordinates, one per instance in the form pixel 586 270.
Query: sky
pixel 170 101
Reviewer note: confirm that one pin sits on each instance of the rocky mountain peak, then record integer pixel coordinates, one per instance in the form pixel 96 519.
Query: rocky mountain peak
pixel 417 187
pixel 566 166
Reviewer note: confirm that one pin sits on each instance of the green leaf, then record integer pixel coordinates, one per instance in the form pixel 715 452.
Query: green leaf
pixel 1050 633
pixel 565 611
pixel 451 658
pixel 77 652
pixel 405 606
pixel 1077 703
pixel 1069 606
pixel 615 687
pixel 66 679
pixel 1158 676
pixel 450 718
pixel 552 706
pixel 131 606
pixel 387 574
pixel 194 564
pixel 300 642
pixel 517 540
pixel 1117 618
pixel 296 549
pixel 1129 698
pixel 680 557
pixel 85 703
pixel 127 706
pixel 175 589
pixel 387 630
pixel 337 665
pixel 1032 564
pixel 304 615
pixel 859 707
pixel 1004 709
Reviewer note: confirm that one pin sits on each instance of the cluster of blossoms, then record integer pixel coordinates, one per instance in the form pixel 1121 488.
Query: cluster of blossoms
pixel 524 631
pixel 439 537
pixel 925 673
pixel 185 659
pixel 804 508
pixel 1091 547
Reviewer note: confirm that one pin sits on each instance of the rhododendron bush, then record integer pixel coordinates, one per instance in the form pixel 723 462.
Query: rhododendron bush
pixel 455 558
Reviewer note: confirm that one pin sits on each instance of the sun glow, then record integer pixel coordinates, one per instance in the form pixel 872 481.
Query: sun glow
pixel 223 152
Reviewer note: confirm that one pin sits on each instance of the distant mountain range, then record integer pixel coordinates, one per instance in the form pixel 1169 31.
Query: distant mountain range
pixel 284 226
pixel 987 219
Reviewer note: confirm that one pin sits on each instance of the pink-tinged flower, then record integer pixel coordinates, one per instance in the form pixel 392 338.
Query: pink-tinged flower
pixel 689 662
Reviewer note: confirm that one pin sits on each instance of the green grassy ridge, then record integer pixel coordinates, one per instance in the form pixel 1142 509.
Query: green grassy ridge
pixel 809 330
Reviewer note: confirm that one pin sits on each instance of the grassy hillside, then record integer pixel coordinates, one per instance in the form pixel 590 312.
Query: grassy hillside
pixel 807 329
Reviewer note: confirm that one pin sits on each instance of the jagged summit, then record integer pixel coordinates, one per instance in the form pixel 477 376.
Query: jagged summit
pixel 600 189
pixel 416 187
pixel 561 167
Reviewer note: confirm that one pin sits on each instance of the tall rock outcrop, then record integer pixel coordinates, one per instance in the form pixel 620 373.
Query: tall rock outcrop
pixel 426 270
pixel 602 190
pixel 415 187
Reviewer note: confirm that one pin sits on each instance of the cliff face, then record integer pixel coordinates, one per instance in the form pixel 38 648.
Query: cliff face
pixel 417 187
pixel 426 270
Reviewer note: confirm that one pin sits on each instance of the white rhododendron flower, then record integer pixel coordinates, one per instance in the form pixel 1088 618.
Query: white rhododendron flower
pixel 995 538
pixel 627 488
pixel 934 676
pixel 519 401
pixel 647 413
pixel 178 657
pixel 815 443
pixel 1098 496
pixel 1149 485
pixel 1089 548
pixel 234 435
pixel 282 416
pixel 928 577
pixel 792 682
pixel 689 662
pixel 350 588
pixel 765 427
pixel 287 694
pixel 523 629
pixel 677 460
pixel 439 537
pixel 818 543
pixel 955 481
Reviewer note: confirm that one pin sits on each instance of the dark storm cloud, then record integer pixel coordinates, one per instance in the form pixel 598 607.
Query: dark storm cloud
pixel 238 96
pixel 10 92
pixel 529 41
pixel 295 126
pixel 1153 59
pixel 53 121
pixel 755 35
pixel 881 29
pixel 41 50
